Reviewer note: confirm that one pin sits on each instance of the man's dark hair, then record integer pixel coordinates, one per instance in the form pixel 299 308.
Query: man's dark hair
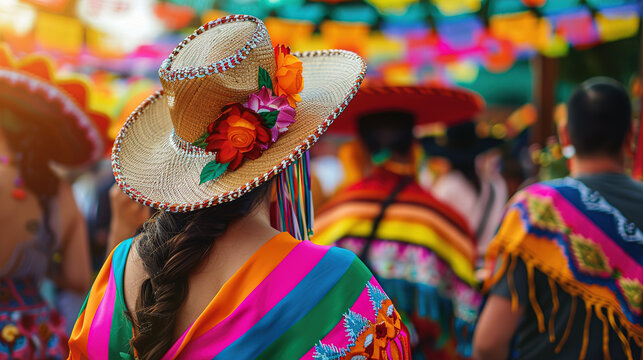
pixel 599 117
pixel 390 130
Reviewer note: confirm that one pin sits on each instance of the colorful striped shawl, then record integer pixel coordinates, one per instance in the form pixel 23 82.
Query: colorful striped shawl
pixel 582 243
pixel 423 253
pixel 291 300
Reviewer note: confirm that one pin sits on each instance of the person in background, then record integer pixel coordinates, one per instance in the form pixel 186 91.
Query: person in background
pixel 209 276
pixel 127 217
pixel 470 181
pixel 42 122
pixel 419 248
pixel 567 262
pixel 91 190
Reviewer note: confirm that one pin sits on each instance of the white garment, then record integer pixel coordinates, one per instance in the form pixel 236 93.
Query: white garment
pixel 455 190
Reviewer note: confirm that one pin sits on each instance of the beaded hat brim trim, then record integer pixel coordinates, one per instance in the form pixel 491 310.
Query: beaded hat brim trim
pixel 167 73
pixel 131 182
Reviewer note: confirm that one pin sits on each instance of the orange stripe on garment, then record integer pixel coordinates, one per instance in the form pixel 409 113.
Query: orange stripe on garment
pixel 415 197
pixel 547 256
pixel 403 212
pixel 410 232
pixel 241 284
pixel 78 339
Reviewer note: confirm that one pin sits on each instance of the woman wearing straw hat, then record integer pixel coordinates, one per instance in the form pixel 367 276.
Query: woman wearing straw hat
pixel 209 277
pixel 43 120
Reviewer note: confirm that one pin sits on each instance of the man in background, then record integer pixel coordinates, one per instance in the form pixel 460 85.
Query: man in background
pixel 567 261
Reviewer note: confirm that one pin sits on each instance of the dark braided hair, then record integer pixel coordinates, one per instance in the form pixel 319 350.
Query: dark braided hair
pixel 170 247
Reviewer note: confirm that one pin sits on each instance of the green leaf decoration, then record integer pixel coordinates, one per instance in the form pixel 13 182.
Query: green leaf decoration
pixel 381 157
pixel 264 79
pixel 270 118
pixel 212 170
pixel 200 142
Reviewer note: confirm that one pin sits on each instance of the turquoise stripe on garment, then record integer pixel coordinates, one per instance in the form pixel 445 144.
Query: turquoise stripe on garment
pixel 293 307
pixel 121 330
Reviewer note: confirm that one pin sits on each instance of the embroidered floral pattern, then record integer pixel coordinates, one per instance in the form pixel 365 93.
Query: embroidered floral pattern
pixel 421 268
pixel 33 334
pixel 633 292
pixel 589 256
pixel 368 340
pixel 9 334
pixel 377 338
pixel 246 130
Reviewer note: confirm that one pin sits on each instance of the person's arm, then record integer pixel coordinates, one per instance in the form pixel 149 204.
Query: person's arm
pixel 127 217
pixel 496 327
pixel 75 260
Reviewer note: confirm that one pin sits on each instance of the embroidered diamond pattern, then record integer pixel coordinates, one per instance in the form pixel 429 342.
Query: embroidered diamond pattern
pixel 589 256
pixel 633 291
pixel 543 214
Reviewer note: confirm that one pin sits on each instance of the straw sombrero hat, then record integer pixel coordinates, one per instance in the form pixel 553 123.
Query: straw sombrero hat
pixel 206 138
pixel 427 104
pixel 31 94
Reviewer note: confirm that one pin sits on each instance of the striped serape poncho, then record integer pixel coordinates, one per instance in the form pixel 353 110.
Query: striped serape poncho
pixel 422 252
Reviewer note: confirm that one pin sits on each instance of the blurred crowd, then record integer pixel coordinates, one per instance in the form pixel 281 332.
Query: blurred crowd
pixel 480 258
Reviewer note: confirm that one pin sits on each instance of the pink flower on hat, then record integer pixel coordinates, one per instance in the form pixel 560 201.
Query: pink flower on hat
pixel 264 101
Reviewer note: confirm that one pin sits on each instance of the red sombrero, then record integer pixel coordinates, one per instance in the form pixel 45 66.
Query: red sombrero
pixel 429 104
pixel 30 92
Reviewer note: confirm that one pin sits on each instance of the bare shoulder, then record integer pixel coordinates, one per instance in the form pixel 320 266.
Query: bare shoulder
pixel 134 275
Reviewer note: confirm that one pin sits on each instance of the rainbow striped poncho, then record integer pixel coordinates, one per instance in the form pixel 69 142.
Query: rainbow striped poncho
pixel 422 253
pixel 291 300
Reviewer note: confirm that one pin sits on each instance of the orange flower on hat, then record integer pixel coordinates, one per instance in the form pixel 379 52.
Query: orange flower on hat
pixel 289 79
pixel 236 134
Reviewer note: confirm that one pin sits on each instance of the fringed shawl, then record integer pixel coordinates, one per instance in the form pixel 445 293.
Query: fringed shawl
pixel 584 245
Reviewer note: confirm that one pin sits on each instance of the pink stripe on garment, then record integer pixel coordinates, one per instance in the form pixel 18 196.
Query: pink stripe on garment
pixel 279 283
pixel 169 355
pixel 570 215
pixel 98 337
pixel 398 343
pixel 337 336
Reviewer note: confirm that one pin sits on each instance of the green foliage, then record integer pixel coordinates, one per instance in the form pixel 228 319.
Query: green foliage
pixel 212 170
pixel 270 117
pixel 200 142
pixel 264 79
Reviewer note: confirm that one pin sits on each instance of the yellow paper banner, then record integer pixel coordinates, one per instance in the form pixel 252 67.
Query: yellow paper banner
pixel 613 28
pixel 523 29
pixel 61 33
